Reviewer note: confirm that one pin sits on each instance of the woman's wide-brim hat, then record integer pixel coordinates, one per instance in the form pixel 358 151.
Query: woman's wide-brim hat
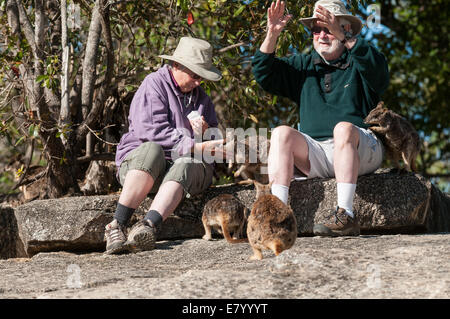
pixel 196 55
pixel 337 7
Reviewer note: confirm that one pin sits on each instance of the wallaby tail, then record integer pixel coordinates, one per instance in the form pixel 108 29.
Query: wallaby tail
pixel 410 162
pixel 226 234
pixel 276 246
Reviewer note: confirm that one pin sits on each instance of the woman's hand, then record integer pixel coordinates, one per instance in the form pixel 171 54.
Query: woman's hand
pixel 199 126
pixel 213 148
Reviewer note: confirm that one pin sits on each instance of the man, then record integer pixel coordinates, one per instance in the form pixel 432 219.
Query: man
pixel 154 155
pixel 335 86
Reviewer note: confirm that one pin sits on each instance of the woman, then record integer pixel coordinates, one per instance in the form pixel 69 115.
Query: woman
pixel 154 155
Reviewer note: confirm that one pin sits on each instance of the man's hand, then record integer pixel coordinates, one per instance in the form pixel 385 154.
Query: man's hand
pixel 331 22
pixel 276 21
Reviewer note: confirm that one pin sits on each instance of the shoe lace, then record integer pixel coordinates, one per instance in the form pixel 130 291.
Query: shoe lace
pixel 336 218
pixel 116 234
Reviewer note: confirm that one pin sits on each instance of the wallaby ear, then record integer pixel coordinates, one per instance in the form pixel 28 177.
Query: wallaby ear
pixel 270 184
pixel 380 105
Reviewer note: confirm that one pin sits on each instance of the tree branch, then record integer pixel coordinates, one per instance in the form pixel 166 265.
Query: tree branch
pixel 18 21
pixel 104 141
pixel 26 25
pixel 97 157
pixel 90 59
pixel 232 47
pixel 113 3
pixel 89 73
pixel 13 17
pixel 64 115
pixel 39 38
pixel 104 90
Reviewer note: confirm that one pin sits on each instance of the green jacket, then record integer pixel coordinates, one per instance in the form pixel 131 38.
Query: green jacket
pixel 347 90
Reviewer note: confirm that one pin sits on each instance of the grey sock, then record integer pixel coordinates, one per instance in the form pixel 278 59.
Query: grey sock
pixel 154 217
pixel 123 214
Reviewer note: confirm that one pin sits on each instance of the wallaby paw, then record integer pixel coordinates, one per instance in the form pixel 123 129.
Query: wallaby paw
pixel 209 238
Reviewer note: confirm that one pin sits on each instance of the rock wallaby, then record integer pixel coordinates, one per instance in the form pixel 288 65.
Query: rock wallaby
pixel 250 158
pixel 271 224
pixel 397 134
pixel 227 215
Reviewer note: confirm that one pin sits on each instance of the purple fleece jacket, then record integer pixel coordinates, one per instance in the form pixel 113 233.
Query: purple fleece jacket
pixel 158 114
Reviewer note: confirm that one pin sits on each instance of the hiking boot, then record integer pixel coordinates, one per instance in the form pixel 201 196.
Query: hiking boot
pixel 341 225
pixel 142 236
pixel 115 238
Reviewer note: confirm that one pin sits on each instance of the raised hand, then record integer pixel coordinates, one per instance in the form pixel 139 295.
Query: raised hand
pixel 328 20
pixel 276 19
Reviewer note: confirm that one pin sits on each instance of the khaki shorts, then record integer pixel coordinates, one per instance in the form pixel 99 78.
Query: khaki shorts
pixel 320 154
pixel 194 175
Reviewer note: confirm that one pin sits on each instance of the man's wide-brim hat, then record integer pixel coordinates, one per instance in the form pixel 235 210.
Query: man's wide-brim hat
pixel 196 55
pixel 336 7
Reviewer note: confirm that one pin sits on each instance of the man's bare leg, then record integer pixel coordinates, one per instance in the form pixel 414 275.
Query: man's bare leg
pixel 288 147
pixel 346 163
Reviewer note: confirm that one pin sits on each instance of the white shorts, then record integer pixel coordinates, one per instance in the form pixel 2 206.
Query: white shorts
pixel 320 154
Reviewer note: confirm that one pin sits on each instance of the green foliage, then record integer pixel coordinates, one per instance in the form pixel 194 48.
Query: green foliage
pixel 223 180
pixel 6 182
pixel 416 48
pixel 240 26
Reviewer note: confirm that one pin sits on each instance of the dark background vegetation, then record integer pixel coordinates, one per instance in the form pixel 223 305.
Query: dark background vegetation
pixel 58 145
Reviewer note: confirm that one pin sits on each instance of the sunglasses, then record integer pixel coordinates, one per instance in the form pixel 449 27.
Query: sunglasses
pixel 317 30
pixel 195 76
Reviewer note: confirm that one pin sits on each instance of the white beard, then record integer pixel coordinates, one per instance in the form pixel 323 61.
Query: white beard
pixel 329 52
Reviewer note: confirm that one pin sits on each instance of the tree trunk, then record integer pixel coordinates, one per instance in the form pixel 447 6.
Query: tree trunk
pixel 89 74
pixel 64 116
pixel 59 176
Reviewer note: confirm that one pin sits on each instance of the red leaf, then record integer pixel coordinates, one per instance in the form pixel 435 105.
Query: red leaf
pixel 15 70
pixel 190 18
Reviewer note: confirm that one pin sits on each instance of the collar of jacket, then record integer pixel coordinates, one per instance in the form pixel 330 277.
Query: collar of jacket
pixel 342 62
pixel 165 73
pixel 168 77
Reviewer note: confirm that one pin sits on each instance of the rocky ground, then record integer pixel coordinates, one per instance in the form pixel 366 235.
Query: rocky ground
pixel 385 266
